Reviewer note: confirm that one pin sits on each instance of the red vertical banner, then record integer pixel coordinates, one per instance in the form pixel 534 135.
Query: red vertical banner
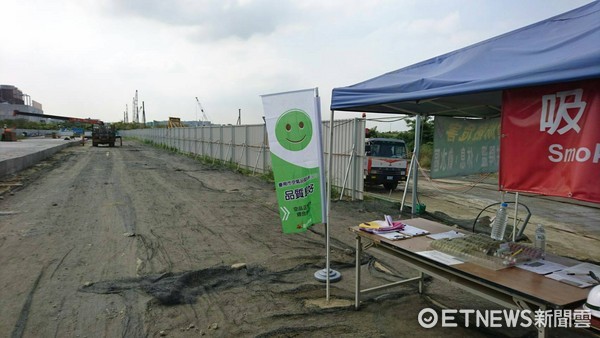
pixel 550 142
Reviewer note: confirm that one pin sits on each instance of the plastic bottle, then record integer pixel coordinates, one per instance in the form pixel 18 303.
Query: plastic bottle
pixel 499 224
pixel 540 239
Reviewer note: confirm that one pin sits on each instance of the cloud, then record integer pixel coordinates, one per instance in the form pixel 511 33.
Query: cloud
pixel 210 20
pixel 445 25
pixel 228 52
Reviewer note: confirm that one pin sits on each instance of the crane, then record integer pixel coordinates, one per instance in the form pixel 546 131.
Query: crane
pixel 63 118
pixel 203 113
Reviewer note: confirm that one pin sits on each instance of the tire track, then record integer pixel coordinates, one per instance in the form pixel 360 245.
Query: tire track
pixel 24 315
pixel 60 263
pixel 133 323
pixel 167 187
pixel 154 253
pixel 59 320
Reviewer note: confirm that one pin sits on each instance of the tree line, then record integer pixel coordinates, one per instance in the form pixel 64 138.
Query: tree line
pixel 38 125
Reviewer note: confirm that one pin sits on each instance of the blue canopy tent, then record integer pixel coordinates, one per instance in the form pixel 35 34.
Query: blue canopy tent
pixel 468 82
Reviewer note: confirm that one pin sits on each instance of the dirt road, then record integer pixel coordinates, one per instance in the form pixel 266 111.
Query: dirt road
pixel 136 241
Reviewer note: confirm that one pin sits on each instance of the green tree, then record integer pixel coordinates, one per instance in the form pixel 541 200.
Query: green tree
pixel 371 132
pixel 26 124
pixel 426 132
pixel 426 149
pixel 127 126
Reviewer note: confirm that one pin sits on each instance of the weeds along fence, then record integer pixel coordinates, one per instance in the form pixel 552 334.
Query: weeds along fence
pixel 244 145
pixel 247 147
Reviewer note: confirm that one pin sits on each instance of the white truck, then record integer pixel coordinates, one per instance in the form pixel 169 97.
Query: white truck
pixel 385 162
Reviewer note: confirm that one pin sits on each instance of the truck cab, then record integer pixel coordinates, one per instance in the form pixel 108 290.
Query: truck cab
pixel 385 162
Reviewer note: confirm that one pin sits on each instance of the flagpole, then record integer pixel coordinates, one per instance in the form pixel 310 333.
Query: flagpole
pixel 327 275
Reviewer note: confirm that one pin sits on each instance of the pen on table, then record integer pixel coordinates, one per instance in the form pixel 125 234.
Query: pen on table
pixel 516 252
pixel 594 277
pixel 577 273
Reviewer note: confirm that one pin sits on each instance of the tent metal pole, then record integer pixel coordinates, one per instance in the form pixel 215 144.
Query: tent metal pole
pixel 329 175
pixel 347 171
pixel 406 184
pixel 354 184
pixel 414 164
pixel 516 215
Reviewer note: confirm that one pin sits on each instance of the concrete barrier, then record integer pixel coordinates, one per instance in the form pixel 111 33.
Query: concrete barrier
pixel 16 156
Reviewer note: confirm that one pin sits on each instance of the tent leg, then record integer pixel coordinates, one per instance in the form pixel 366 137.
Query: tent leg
pixel 406 184
pixel 347 172
pixel 414 164
pixel 514 233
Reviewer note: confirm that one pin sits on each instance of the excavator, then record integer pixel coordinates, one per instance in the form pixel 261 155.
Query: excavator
pixel 101 133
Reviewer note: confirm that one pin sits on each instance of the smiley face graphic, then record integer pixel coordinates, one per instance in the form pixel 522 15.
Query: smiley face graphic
pixel 294 130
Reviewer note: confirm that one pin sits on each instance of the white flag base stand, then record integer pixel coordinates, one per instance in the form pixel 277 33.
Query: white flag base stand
pixel 334 276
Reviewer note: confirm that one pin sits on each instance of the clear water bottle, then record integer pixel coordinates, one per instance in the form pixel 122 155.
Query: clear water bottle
pixel 499 224
pixel 540 239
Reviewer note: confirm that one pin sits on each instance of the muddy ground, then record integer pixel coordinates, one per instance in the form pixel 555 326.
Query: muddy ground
pixel 140 242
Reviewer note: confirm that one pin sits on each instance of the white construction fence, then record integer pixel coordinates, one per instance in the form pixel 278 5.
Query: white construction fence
pixel 247 147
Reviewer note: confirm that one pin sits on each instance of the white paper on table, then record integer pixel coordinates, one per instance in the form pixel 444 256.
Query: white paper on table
pixel 441 257
pixel 584 269
pixel 577 275
pixel 447 234
pixel 393 235
pixel 575 280
pixel 541 267
pixel 388 220
pixel 413 231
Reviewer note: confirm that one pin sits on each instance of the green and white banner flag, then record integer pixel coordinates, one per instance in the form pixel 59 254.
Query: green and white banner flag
pixel 294 130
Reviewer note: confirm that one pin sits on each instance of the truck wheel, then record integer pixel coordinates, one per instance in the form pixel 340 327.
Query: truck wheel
pixel 112 144
pixel 390 185
pixel 95 144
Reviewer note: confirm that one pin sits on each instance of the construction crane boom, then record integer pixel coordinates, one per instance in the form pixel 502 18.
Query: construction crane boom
pixel 202 110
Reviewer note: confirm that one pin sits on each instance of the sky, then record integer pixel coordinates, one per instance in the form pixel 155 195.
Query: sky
pixel 86 58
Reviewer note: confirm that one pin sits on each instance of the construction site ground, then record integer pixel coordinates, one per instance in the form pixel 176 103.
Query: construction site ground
pixel 136 241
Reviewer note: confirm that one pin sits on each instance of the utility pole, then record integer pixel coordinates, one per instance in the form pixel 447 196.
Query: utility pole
pixel 143 114
pixel 136 112
pixel 239 121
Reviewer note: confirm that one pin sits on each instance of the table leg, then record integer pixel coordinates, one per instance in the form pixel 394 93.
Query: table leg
pixel 357 278
pixel 522 305
pixel 542 330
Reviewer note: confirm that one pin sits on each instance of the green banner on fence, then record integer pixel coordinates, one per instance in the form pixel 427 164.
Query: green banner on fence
pixel 465 146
